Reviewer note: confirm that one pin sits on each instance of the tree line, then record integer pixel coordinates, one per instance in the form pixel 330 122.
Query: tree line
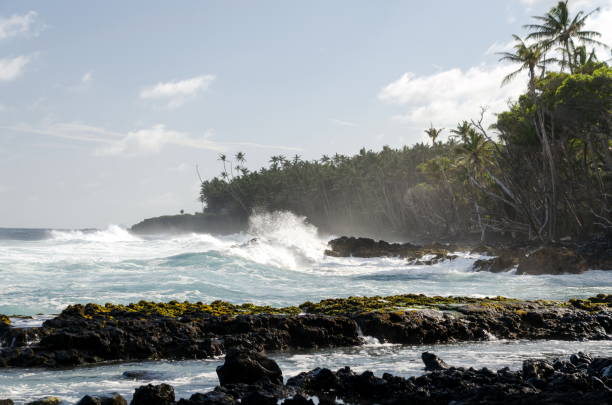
pixel 542 171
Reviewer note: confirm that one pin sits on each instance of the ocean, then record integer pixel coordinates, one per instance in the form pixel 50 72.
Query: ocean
pixel 279 261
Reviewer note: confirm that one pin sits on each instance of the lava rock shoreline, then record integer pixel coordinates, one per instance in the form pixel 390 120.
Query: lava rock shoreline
pixel 89 334
pixel 527 257
pixel 250 378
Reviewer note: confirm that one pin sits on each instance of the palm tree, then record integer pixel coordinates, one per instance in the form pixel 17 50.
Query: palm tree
pixel 433 133
pixel 240 157
pixel 528 56
pixel 462 130
pixel 557 27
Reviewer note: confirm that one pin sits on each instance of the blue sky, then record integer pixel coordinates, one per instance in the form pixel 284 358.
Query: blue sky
pixel 106 107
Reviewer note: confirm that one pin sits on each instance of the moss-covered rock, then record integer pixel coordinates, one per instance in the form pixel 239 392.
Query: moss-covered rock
pixel 4 321
pixel 174 309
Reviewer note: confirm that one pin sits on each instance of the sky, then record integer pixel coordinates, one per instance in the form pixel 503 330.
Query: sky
pixel 106 108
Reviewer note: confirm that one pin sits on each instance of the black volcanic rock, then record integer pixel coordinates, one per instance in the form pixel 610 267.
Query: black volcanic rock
pixel 115 399
pixel 366 247
pixel 162 394
pixel 248 367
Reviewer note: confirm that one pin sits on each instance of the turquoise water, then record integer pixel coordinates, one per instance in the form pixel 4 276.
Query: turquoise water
pixel 285 265
pixel 279 261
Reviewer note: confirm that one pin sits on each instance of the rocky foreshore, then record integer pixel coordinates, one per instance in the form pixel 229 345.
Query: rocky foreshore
pixel 527 257
pixel 248 377
pixel 87 334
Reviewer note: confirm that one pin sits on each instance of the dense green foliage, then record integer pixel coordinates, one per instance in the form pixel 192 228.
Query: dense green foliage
pixel 543 171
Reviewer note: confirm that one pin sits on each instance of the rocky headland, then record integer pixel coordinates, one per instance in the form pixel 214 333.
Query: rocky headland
pixel 526 257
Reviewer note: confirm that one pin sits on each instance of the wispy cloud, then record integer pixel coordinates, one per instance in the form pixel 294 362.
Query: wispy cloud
pixel 140 142
pixel 151 141
pixel 447 97
pixel 175 93
pixel 12 68
pixel 343 123
pixel 17 24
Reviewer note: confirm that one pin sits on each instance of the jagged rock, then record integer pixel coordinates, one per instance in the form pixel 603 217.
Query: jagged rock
pixel 433 362
pixel 72 339
pixel 539 383
pixel 298 400
pixel 6 402
pixel 248 368
pixel 209 398
pixel 539 369
pixel 552 260
pixel 366 247
pixel 115 399
pixel 497 264
pixel 162 394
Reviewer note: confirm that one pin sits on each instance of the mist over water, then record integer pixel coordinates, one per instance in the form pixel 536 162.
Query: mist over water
pixel 279 261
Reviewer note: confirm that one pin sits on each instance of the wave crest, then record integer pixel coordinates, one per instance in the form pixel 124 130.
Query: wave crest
pixel 114 233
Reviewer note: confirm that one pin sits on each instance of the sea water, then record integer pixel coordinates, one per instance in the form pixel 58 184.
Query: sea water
pixel 279 261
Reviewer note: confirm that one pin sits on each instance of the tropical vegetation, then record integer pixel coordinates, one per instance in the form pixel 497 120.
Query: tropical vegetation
pixel 542 171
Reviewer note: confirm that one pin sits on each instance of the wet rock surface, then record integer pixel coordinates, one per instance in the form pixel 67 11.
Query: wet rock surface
pixel 530 257
pixel 367 248
pixel 86 335
pixel 579 379
pixel 75 338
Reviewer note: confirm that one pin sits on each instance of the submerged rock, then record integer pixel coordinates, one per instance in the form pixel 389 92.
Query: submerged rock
pixel 142 375
pixel 433 362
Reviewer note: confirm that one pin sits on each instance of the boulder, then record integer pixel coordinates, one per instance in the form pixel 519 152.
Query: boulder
pixel 552 260
pixel 539 369
pixel 366 247
pixel 497 264
pixel 6 402
pixel 162 394
pixel 433 362
pixel 248 367
pixel 114 399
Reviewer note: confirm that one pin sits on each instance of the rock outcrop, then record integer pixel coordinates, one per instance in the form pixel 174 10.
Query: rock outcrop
pixel 93 333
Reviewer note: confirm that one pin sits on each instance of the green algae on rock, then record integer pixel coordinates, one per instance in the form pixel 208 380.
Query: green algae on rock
pixel 174 309
pixel 4 320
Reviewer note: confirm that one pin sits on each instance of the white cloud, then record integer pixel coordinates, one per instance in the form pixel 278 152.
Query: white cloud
pixel 177 92
pixel 17 24
pixel 343 123
pixel 12 68
pixel 448 97
pixel 152 140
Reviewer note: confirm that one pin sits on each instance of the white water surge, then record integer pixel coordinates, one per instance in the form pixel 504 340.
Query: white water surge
pixel 280 261
pixel 189 377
